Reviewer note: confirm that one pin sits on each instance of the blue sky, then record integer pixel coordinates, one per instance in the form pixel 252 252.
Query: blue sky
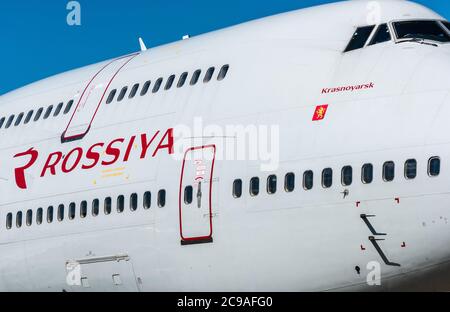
pixel 36 41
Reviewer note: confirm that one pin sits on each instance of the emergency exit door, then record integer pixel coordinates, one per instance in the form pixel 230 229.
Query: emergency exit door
pixel 91 98
pixel 196 191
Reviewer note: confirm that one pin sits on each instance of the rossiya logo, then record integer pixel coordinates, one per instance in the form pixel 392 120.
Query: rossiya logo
pixel 99 154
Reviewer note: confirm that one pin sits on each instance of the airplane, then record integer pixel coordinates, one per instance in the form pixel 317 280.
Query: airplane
pixel 105 185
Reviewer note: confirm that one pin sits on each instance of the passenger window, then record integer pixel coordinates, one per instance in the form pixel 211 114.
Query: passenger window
pixel 289 182
pixel 50 214
pixel 434 166
pixel 83 209
pixel 10 121
pixel 38 114
pixel 133 91
pixel 147 200
pixel 9 218
pixel 19 220
pixel 111 96
pixel 108 204
pixel 359 38
pixel 237 188
pixel 95 207
pixel 145 88
pixel 133 202
pixel 68 107
pixel 188 195
pixel 169 83
pixel 254 186
pixel 39 216
pixel 122 94
pixel 327 178
pixel 28 118
pixel 347 176
pixel 223 72
pixel 72 211
pixel 61 213
pixel 182 80
pixel 195 77
pixel 48 112
pixel 389 171
pixel 58 109
pixel 308 180
pixel 382 35
pixel 2 121
pixel 157 85
pixel 367 174
pixel 209 75
pixel 162 198
pixel 18 120
pixel 120 204
pixel 29 217
pixel 272 184
pixel 410 169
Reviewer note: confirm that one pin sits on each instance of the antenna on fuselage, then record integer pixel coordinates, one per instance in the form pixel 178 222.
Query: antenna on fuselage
pixel 142 44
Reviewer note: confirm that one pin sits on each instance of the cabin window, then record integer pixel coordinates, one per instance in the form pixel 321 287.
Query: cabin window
pixel 272 184
pixel 19 219
pixel 120 204
pixel 209 75
pixel 147 200
pixel 28 118
pixel 68 107
pixel 367 173
pixel 39 216
pixel 223 72
pixel 389 171
pixel 195 77
pixel 434 166
pixel 133 202
pixel 382 35
pixel 72 211
pixel 50 214
pixel 188 195
pixel 157 85
pixel 308 180
pixel 95 207
pixel 38 114
pixel 359 38
pixel 83 209
pixel 182 80
pixel 18 120
pixel 133 91
pixel 9 218
pixel 237 188
pixel 327 178
pixel 426 30
pixel 29 217
pixel 61 213
pixel 122 94
pixel 169 83
pixel 254 186
pixel 162 198
pixel 10 121
pixel 347 176
pixel 58 109
pixel 145 88
pixel 2 121
pixel 289 182
pixel 410 169
pixel 108 204
pixel 48 112
pixel 111 96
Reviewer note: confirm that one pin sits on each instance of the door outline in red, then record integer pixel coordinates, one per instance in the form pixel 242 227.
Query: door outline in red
pixel 65 139
pixel 201 239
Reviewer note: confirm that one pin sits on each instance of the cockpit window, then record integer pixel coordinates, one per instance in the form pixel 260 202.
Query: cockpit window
pixel 447 25
pixel 359 38
pixel 382 35
pixel 427 30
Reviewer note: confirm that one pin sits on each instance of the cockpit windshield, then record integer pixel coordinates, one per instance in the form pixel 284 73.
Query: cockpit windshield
pixel 447 25
pixel 422 30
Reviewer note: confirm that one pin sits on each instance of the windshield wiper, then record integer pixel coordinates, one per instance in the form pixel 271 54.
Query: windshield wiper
pixel 418 40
